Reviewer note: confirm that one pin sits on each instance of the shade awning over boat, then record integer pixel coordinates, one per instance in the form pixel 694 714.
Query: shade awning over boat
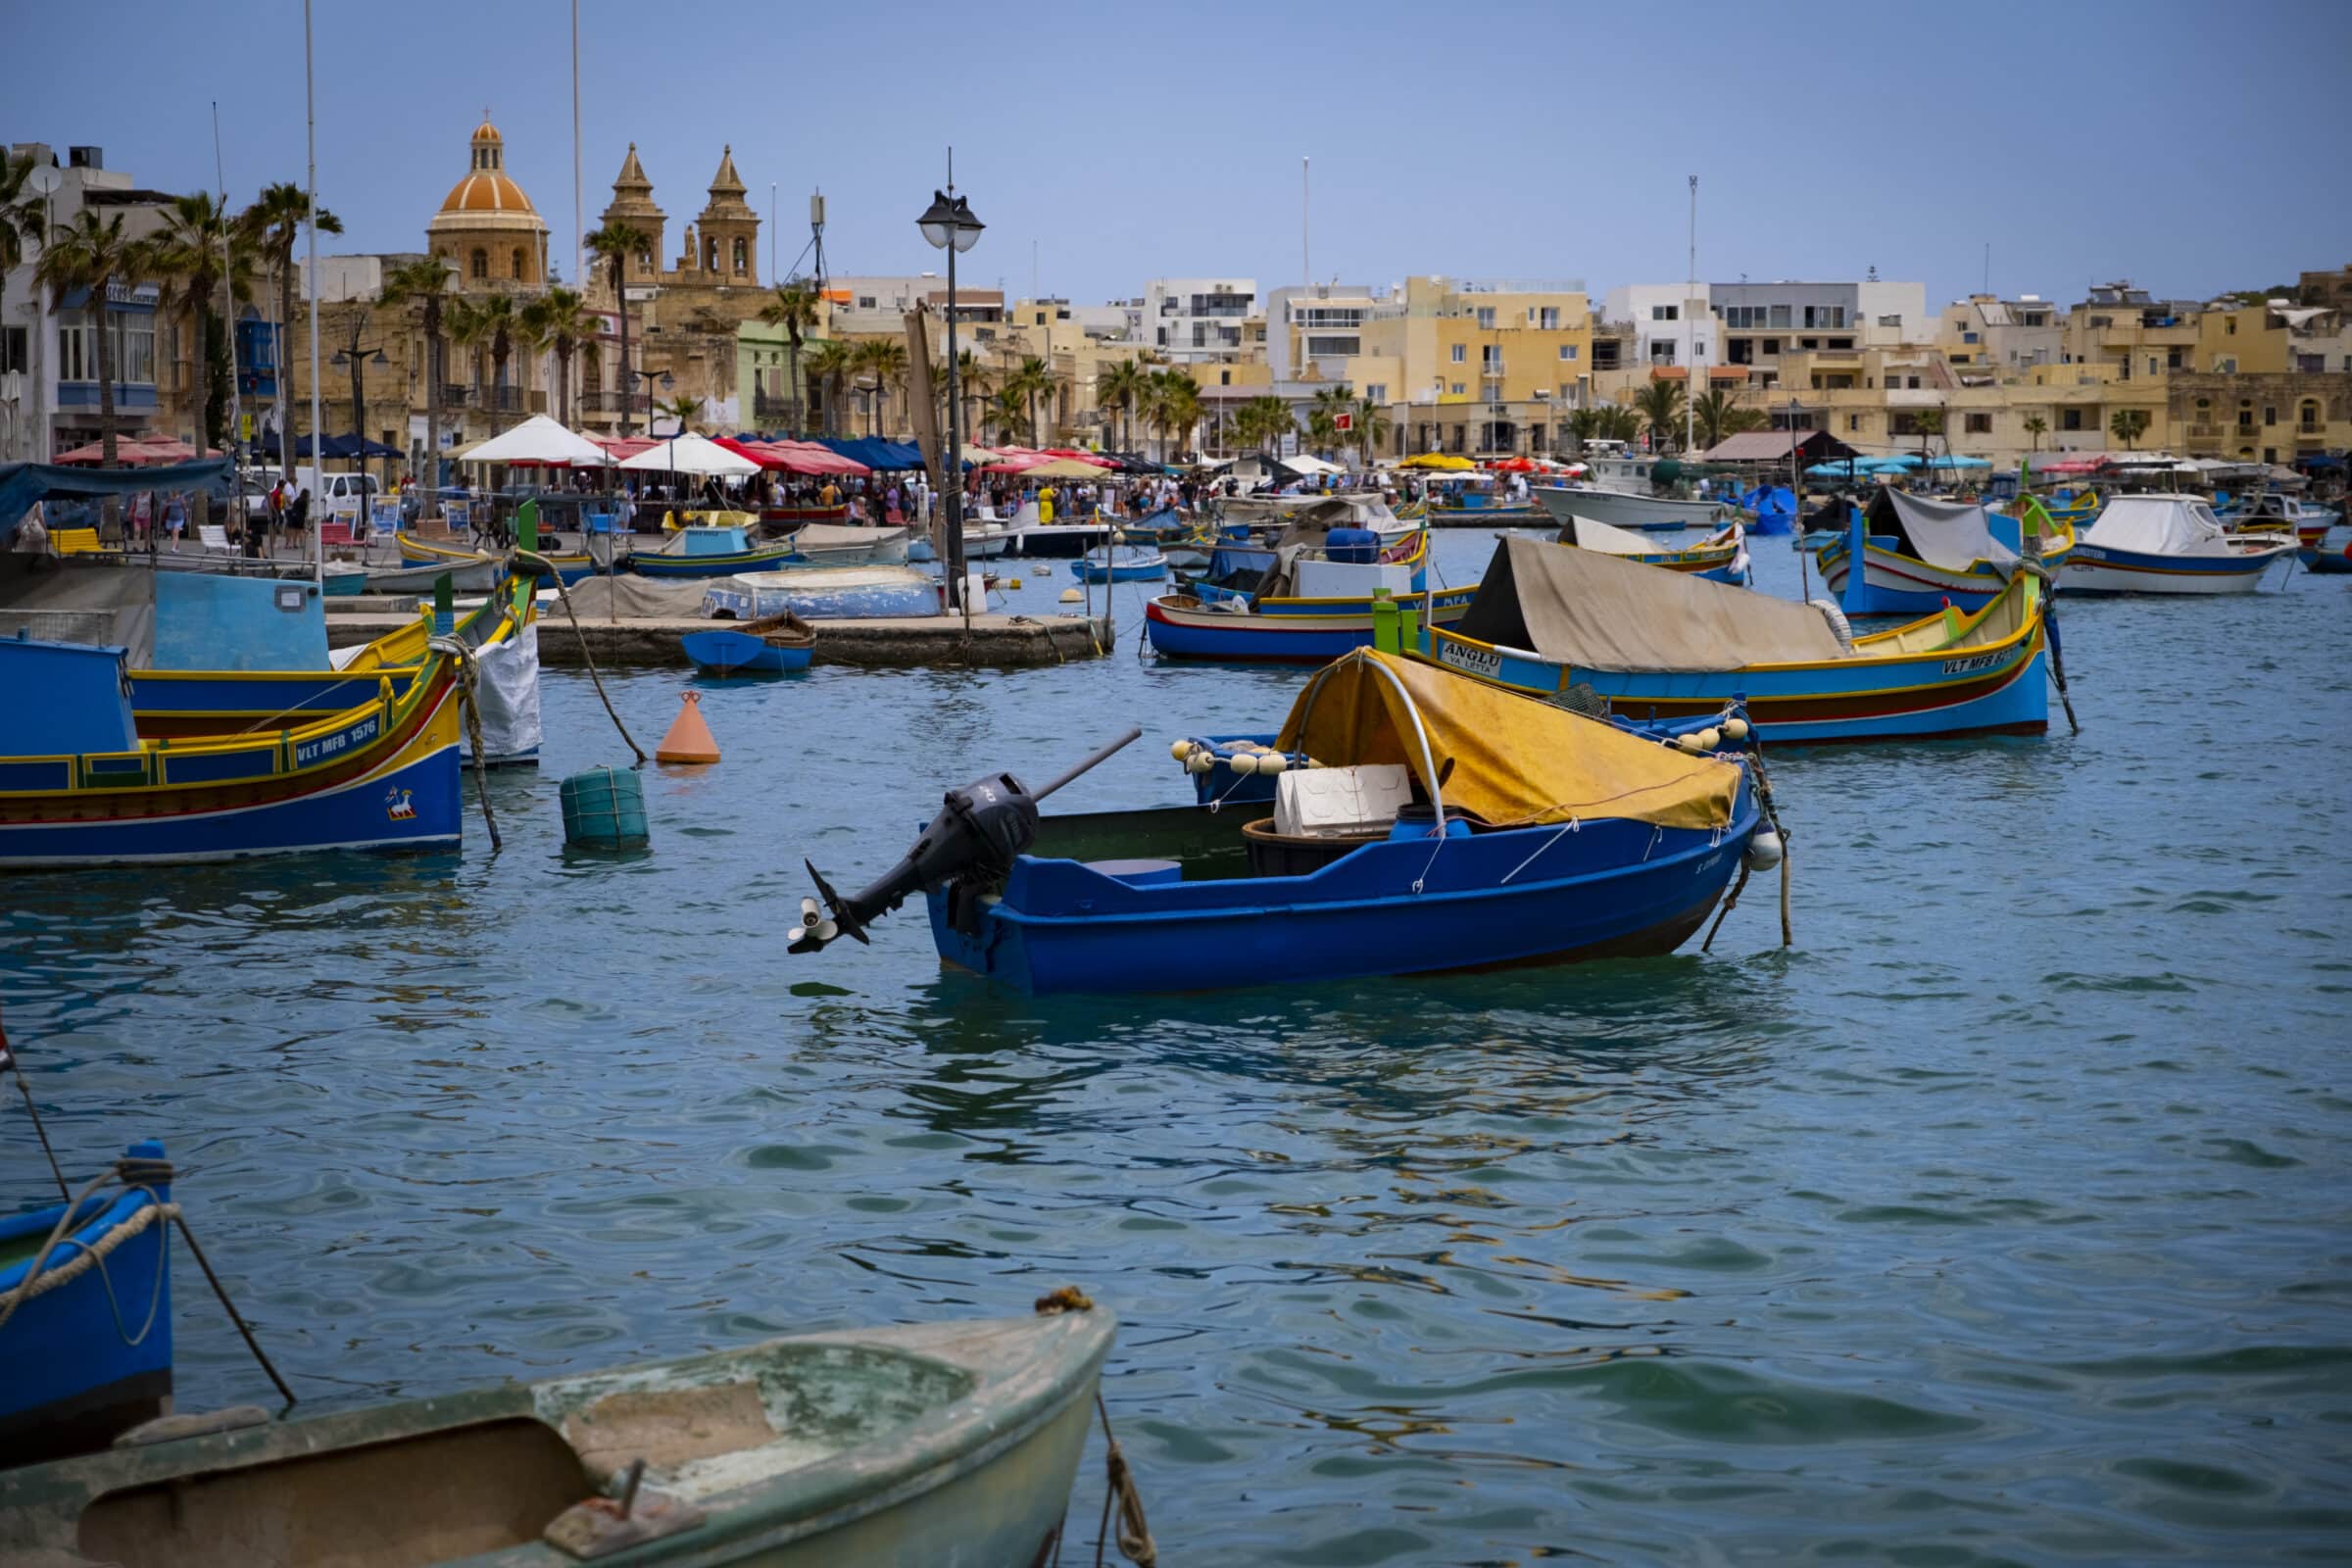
pixel 1951 534
pixel 1515 761
pixel 1581 606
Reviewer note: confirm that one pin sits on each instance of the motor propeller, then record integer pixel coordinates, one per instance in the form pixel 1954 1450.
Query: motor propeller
pixel 980 827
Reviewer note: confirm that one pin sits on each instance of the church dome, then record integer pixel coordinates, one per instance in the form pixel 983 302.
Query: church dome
pixel 486 198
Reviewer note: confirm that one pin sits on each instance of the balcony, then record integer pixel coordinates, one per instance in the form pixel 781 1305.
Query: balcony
pixel 501 399
pixel 602 402
pixel 455 396
pixel 772 405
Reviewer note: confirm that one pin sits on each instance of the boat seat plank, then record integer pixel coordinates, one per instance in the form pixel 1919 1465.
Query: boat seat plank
pixel 667 1427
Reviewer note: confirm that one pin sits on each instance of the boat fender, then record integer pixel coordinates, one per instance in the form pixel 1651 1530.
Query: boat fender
pixel 1709 738
pixel 1242 761
pixel 1201 762
pixel 1764 851
pixel 1179 750
pixel 1071 596
pixel 1735 729
pixel 1016 582
pixel 1837 619
pixel 1689 742
pixel 1272 762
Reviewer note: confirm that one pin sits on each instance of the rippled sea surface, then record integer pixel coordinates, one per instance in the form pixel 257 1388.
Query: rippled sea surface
pixel 2003 1218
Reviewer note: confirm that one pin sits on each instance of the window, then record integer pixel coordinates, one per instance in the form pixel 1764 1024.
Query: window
pixel 1743 351
pixel 14 344
pixel 2308 419
pixel 2270 454
pixel 1458 389
pixel 2172 360
pixel 1980 424
pixel 1486 316
pixel 1968 337
pixel 1490 356
pixel 2036 319
pixel 1890 320
pixel 2245 415
pixel 2229 326
pixel 1460 354
pixel 518 272
pixel 1567 350
pixel 1549 318
pixel 1780 316
pixel 1810 343
pixel 2269 414
pixel 865 302
pixel 2071 419
pixel 1853 422
pixel 134 351
pixel 481 264
pixel 1377 392
pixel 1665 313
pixel 1771 345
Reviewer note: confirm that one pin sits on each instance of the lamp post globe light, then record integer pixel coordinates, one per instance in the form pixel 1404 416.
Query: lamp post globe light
pixel 948 224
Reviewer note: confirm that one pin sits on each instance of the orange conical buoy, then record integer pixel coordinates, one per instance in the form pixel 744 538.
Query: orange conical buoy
pixel 689 739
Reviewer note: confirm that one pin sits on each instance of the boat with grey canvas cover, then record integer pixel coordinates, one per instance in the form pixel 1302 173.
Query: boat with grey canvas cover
pixel 923 1444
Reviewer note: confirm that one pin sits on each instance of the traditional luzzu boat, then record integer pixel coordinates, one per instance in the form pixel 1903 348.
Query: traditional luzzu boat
pixel 2169 544
pixel 825 544
pixel 1919 553
pixel 426 553
pixel 1658 645
pixel 1721 557
pixel 1471 505
pixel 85 1314
pixel 914 1445
pixel 1304 599
pixel 474 576
pixel 1122 564
pixel 1422 821
pixel 2275 512
pixel 721 552
pixel 84 786
pixel 772 647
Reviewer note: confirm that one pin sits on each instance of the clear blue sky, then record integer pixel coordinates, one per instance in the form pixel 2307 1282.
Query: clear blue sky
pixel 2191 147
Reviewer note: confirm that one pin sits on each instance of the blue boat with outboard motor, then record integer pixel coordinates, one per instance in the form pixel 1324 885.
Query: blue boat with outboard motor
pixel 1122 564
pixel 1422 821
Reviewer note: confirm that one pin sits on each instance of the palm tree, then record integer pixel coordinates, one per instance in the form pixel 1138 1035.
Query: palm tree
pixel 20 222
pixel 92 255
pixel 1005 412
pixel 885 360
pixel 794 308
pixel 1583 425
pixel 1174 405
pixel 1737 421
pixel 1323 418
pixel 830 366
pixel 1711 410
pixel 2129 425
pixel 612 246
pixel 2037 426
pixel 198 246
pixel 681 408
pixel 1371 428
pixel 1659 405
pixel 1929 424
pixel 971 379
pixel 559 320
pixel 1034 377
pixel 491 322
pixel 425 283
pixel 275 221
pixel 1121 386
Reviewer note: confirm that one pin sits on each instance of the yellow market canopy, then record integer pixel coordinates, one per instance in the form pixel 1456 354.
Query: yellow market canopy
pixel 1438 460
pixel 1517 761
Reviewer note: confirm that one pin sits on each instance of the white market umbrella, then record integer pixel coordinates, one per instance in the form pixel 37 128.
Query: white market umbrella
pixel 538 439
pixel 1308 463
pixel 690 454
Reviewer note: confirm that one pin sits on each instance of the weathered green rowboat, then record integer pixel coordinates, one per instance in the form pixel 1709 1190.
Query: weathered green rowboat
pixel 923 1445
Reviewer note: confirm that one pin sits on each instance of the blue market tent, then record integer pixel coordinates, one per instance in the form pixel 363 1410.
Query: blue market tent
pixel 876 453
pixel 23 484
pixel 1958 462
pixel 342 448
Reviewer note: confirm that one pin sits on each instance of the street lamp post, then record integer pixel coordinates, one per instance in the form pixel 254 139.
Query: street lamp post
pixel 948 224
pixel 648 377
pixel 357 356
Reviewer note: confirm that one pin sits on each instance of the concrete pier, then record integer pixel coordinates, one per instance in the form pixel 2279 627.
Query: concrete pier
pixel 997 641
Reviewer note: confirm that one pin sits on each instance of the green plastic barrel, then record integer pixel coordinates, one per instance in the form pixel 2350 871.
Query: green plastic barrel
pixel 603 808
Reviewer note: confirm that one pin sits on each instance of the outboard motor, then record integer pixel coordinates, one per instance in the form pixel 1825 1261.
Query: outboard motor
pixel 979 828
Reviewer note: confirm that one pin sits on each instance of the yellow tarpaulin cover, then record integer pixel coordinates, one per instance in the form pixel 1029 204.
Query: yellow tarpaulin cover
pixel 1517 761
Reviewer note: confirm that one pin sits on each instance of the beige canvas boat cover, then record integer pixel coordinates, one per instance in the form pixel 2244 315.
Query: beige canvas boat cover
pixel 1584 608
pixel 1587 535
pixel 631 598
pixel 842 537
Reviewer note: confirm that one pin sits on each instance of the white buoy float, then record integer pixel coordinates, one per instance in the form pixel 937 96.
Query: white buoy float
pixel 1735 729
pixel 1179 750
pixel 1709 738
pixel 1764 851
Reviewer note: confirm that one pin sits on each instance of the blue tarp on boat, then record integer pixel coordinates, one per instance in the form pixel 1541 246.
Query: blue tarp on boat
pixel 23 484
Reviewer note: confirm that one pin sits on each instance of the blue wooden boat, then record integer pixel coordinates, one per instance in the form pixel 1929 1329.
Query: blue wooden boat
pixel 2326 562
pixel 1551 622
pixel 1122 564
pixel 83 786
pixel 1919 553
pixel 769 647
pixel 1769 509
pixel 708 552
pixel 1307 599
pixel 1721 557
pixel 1442 823
pixel 343 582
pixel 2169 544
pixel 90 1355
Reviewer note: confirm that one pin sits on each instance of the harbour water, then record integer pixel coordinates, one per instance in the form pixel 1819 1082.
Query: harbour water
pixel 2003 1218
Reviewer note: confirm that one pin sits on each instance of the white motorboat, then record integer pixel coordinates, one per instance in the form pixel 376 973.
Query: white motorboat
pixel 2169 544
pixel 1624 508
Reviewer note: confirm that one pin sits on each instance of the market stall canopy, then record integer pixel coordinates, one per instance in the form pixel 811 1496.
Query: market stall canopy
pixel 145 452
pixel 1950 463
pixel 537 439
pixel 23 484
pixel 621 448
pixel 1065 469
pixel 809 458
pixel 1584 608
pixel 1308 463
pixel 343 448
pixel 1510 759
pixel 876 453
pixel 690 454
pixel 1437 460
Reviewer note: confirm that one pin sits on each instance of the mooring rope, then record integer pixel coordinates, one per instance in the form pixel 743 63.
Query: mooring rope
pixel 539 566
pixel 471 702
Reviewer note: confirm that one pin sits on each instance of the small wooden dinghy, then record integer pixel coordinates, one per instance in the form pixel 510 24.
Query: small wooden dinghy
pixel 919 1445
pixel 770 646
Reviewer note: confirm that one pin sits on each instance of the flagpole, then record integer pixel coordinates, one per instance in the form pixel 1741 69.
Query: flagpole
pixel 309 89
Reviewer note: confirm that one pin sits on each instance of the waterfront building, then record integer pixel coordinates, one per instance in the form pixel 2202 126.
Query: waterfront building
pixel 1665 323
pixel 1313 331
pixel 1196 320
pixel 1477 366
pixel 1986 333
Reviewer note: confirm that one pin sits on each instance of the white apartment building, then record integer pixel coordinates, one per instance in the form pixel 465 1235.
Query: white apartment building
pixel 1671 324
pixel 1318 326
pixel 1198 321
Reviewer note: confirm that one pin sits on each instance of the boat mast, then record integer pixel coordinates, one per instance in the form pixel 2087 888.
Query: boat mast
pixel 310 90
pixel 229 290
pixel 1689 324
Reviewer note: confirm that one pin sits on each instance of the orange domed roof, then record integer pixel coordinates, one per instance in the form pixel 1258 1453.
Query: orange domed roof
pixel 486 198
pixel 487 192
pixel 488 133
